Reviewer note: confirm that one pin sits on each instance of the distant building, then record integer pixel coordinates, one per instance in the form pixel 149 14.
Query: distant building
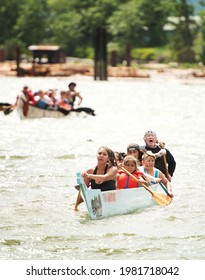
pixel 47 54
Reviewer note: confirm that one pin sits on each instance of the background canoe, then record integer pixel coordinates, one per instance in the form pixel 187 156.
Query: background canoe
pixel 35 112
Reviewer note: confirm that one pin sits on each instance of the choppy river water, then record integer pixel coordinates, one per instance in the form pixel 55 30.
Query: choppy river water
pixel 39 160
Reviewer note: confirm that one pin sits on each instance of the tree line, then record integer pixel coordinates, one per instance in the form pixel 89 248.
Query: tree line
pixel 128 26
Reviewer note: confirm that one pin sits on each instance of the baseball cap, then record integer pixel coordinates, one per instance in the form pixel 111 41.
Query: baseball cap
pixel 133 147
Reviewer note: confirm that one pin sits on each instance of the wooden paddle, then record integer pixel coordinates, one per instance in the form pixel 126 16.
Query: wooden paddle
pixel 6 108
pixel 161 184
pixel 87 110
pixel 162 145
pixel 165 189
pixel 160 198
pixel 165 163
pixel 78 200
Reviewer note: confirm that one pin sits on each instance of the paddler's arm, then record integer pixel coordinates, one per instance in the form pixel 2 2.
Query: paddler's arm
pixel 110 175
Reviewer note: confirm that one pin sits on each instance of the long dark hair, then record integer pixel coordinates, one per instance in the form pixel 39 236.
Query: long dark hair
pixel 111 155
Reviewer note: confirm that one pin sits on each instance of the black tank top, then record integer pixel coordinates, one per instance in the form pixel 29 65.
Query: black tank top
pixel 105 186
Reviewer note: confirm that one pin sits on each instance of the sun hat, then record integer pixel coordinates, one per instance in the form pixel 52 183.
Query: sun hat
pixel 148 154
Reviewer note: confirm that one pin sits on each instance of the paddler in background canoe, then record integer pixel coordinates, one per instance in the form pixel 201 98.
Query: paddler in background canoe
pixel 165 161
pixel 71 95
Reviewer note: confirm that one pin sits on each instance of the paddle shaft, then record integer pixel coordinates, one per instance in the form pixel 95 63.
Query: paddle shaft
pixel 165 189
pixel 6 108
pixel 162 146
pixel 161 184
pixel 165 163
pixel 78 200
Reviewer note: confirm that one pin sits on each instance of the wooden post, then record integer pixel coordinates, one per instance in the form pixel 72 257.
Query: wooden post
pixel 2 56
pixel 100 45
pixel 18 59
pixel 128 54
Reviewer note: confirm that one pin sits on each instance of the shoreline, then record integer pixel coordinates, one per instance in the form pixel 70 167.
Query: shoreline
pixel 146 71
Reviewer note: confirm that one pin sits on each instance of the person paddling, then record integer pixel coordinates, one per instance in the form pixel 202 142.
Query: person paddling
pixel 103 175
pixel 124 181
pixel 165 161
pixel 71 95
pixel 148 163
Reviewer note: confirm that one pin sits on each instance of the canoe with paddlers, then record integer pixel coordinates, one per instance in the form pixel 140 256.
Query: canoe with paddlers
pixel 118 202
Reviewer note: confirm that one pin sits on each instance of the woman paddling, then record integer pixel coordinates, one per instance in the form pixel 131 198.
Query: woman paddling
pixel 103 176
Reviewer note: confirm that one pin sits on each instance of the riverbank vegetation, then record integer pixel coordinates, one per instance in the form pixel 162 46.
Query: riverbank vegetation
pixel 135 30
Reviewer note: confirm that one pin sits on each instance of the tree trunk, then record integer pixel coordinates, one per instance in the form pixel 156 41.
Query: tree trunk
pixel 113 58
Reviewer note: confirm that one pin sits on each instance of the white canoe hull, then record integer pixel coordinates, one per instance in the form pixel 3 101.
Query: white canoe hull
pixel 35 113
pixel 109 203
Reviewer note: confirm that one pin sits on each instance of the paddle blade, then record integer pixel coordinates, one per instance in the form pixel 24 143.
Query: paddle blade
pixel 7 111
pixel 161 199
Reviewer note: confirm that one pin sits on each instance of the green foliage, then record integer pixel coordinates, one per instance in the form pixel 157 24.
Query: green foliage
pixel 140 22
pixel 83 52
pixel 151 54
pixel 162 54
pixel 199 43
pixel 154 15
pixel 9 13
pixel 32 22
pixel 126 24
pixel 67 30
pixel 72 24
pixel 183 39
pixel 10 46
pixel 143 54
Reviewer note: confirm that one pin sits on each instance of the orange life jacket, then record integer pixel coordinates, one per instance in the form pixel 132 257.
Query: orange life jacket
pixel 125 181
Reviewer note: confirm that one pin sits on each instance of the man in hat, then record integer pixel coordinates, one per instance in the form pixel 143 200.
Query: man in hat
pixel 164 159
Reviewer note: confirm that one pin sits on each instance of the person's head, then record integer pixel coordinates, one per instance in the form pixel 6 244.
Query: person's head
pixel 72 85
pixel 106 155
pixel 51 93
pixel 119 156
pixel 41 93
pixel 133 150
pixel 150 138
pixel 148 159
pixel 130 163
pixel 63 94
pixel 25 89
